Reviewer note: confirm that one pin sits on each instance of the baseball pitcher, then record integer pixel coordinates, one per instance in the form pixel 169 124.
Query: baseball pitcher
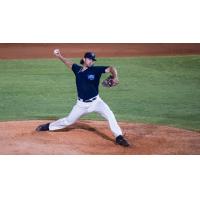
pixel 88 100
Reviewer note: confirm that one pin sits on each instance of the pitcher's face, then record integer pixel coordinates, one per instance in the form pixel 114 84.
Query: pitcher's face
pixel 88 62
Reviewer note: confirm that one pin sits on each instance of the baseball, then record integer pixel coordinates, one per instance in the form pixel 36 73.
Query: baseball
pixel 56 51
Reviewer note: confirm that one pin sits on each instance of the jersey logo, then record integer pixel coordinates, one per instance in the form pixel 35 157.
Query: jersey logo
pixel 91 77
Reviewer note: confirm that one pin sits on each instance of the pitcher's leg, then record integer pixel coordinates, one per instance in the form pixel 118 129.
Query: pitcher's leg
pixel 74 115
pixel 103 109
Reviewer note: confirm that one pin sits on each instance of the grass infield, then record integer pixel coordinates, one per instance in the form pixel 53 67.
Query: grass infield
pixel 159 90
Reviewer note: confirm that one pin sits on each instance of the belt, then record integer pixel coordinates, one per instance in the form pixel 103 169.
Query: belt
pixel 88 100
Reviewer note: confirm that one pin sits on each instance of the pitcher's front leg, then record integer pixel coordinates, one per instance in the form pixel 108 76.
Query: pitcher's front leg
pixel 74 115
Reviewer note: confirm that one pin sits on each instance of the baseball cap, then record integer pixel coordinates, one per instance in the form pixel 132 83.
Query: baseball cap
pixel 90 55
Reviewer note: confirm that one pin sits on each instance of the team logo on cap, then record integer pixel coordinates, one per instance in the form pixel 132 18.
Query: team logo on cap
pixel 91 77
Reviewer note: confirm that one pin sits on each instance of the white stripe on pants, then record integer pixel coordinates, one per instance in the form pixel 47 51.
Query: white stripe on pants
pixel 82 108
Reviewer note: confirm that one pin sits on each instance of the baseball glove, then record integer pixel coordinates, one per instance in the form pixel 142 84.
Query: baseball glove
pixel 108 82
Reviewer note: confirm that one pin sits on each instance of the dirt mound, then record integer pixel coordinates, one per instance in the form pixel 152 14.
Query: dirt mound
pixel 94 137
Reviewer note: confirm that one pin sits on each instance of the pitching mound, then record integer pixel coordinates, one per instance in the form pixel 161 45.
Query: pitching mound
pixel 94 137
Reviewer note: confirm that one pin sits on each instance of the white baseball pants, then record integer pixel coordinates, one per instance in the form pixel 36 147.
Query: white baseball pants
pixel 82 108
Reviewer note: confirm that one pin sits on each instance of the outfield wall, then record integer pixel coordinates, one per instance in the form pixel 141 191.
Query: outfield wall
pixel 42 50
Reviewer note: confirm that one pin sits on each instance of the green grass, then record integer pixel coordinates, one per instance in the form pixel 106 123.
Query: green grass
pixel 159 90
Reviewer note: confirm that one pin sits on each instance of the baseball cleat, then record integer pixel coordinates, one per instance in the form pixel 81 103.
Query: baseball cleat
pixel 43 127
pixel 121 141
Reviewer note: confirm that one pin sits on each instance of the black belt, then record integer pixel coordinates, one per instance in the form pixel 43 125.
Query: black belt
pixel 88 100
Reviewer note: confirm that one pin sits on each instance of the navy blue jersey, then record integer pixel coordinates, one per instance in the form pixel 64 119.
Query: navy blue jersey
pixel 87 82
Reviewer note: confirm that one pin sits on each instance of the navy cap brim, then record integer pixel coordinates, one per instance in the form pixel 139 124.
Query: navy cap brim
pixel 94 59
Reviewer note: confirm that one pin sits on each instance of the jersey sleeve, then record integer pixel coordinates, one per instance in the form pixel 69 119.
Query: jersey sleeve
pixel 76 68
pixel 101 69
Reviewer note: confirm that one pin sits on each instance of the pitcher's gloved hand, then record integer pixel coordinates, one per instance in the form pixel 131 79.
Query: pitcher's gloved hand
pixel 110 82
